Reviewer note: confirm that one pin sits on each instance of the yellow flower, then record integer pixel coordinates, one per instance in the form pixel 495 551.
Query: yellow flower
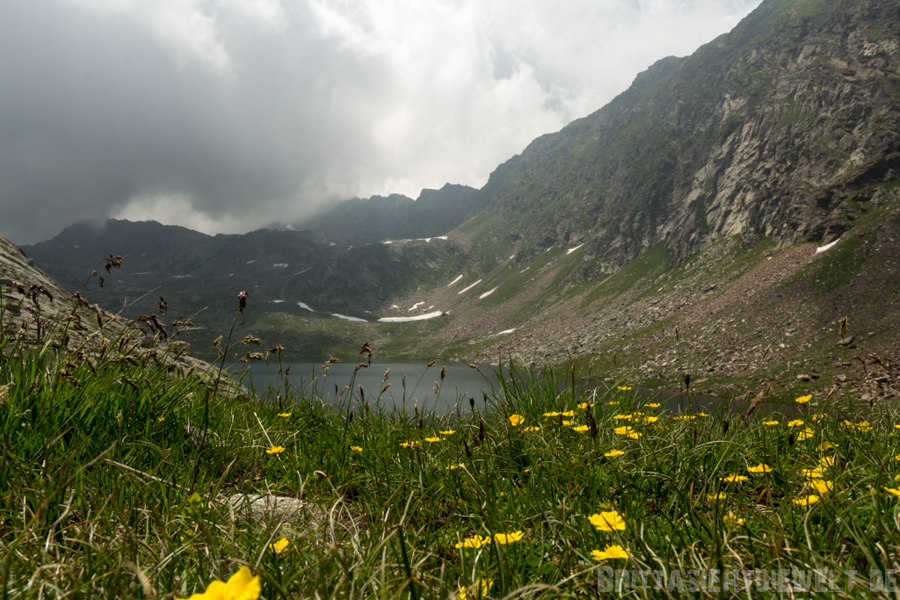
pixel 279 546
pixel 812 473
pixel 411 444
pixel 714 497
pixel 612 551
pixel 508 538
pixel 702 414
pixel 624 388
pixel 826 461
pixel 284 414
pixel 476 541
pixel 684 418
pixel 613 453
pixel 584 405
pixel 581 428
pixel 734 478
pixel 433 439
pixel 760 468
pixel 240 586
pixel 275 450
pixel 897 426
pixel 568 413
pixel 771 422
pixel 862 425
pixel 803 399
pixel 897 457
pixel 454 467
pixel 895 492
pixel 795 423
pixel 552 414
pixel 612 403
pixel 516 420
pixel 827 446
pixel 356 448
pixel 568 423
pixel 532 428
pixel 627 431
pixel 478 590
pixel 620 417
pixel 652 405
pixel 821 486
pixel 651 419
pixel 805 434
pixel 448 432
pixel 806 500
pixel 608 521
pixel 733 521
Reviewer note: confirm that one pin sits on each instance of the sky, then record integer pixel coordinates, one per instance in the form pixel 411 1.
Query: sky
pixel 229 115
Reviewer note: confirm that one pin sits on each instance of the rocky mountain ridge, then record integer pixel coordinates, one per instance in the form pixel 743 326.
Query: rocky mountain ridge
pixel 786 127
pixel 360 221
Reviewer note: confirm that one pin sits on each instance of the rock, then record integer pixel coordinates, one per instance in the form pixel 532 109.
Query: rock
pixel 845 341
pixel 804 378
pixel 275 508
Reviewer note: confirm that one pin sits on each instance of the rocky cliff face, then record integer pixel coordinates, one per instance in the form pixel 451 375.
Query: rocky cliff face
pixel 787 127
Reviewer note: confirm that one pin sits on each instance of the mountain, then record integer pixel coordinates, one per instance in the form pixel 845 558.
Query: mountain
pixel 38 311
pixel 785 128
pixel 687 226
pixel 364 221
pixel 296 272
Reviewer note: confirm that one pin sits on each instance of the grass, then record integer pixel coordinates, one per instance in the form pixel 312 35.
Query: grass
pixel 107 491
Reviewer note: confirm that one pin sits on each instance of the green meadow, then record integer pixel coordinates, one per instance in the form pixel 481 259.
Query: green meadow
pixel 121 479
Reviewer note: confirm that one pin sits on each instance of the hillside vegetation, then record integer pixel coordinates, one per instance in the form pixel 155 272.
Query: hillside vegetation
pixel 119 479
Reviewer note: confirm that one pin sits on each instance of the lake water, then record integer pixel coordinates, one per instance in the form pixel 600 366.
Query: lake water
pixel 412 385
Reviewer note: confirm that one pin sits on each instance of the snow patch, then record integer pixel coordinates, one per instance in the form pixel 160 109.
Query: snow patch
pixel 826 246
pixel 277 301
pixel 180 276
pixel 280 265
pixel 250 262
pixel 426 240
pixel 346 318
pixel 469 288
pixel 301 272
pixel 571 250
pixel 395 306
pixel 507 331
pixel 415 306
pixel 305 305
pixel 430 315
pixel 454 281
pixel 332 244
pixel 486 294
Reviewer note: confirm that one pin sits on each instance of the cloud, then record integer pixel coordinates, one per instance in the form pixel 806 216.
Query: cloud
pixel 162 207
pixel 229 114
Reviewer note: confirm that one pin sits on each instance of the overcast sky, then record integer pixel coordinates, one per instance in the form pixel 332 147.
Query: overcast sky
pixel 227 115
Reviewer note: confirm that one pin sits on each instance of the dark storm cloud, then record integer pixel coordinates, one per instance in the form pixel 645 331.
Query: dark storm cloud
pixel 225 115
